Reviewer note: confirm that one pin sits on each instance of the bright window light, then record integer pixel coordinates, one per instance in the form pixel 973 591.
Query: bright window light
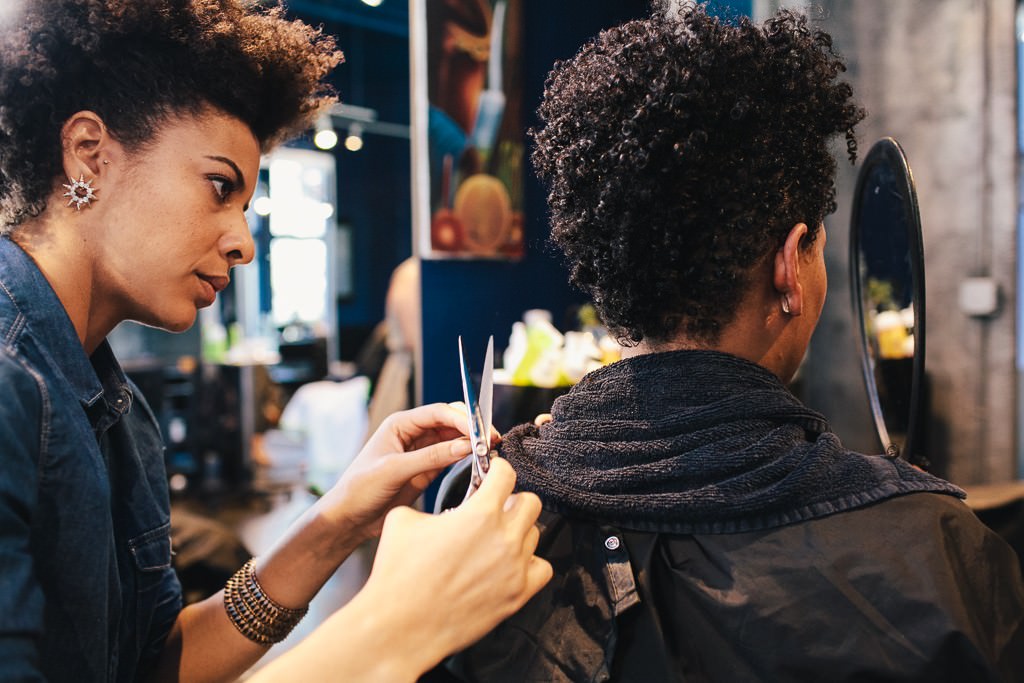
pixel 298 280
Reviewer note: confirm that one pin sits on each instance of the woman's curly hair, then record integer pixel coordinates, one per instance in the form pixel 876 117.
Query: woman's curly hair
pixel 138 62
pixel 679 150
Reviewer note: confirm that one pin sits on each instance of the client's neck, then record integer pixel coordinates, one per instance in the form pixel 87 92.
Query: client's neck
pixel 757 333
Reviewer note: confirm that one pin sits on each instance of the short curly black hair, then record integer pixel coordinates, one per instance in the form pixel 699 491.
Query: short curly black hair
pixel 679 150
pixel 138 62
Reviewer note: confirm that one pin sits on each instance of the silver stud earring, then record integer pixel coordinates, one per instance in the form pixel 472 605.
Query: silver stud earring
pixel 785 304
pixel 80 192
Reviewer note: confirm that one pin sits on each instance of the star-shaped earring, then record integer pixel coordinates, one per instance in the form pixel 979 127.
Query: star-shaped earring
pixel 80 192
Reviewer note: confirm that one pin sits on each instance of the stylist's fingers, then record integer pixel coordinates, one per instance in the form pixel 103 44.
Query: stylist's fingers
pixel 538 573
pixel 531 540
pixel 523 509
pixel 497 486
pixel 409 425
pixel 430 459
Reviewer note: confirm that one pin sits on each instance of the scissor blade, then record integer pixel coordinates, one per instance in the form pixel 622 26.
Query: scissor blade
pixel 467 384
pixel 487 389
pixel 479 434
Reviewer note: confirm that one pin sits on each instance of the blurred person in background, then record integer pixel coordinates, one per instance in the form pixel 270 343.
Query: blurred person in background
pixel 393 388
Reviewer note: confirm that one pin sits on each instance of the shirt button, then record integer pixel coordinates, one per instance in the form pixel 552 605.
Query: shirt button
pixel 612 543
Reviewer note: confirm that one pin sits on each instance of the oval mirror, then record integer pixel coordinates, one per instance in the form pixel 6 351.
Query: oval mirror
pixel 887 282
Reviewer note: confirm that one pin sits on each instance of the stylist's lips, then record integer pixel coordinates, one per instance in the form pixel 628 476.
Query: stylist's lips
pixel 211 284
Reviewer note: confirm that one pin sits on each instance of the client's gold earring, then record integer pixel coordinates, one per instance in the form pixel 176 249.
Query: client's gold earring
pixel 80 192
pixel 785 304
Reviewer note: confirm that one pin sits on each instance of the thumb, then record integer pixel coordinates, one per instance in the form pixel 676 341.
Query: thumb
pixel 497 486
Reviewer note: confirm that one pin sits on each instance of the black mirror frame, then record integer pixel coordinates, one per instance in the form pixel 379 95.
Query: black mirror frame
pixel 888 151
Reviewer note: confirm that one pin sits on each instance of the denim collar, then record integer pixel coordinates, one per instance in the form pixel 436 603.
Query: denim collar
pixel 98 382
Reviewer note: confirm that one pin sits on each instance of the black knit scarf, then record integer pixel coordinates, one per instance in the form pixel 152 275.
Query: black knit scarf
pixel 697 442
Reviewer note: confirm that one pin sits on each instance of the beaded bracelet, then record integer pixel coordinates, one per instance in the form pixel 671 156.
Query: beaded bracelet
pixel 253 613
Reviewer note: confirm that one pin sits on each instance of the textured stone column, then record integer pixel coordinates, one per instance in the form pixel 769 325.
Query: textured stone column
pixel 939 76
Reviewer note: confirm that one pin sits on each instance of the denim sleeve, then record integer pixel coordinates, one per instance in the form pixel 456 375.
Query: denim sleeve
pixel 22 437
pixel 168 607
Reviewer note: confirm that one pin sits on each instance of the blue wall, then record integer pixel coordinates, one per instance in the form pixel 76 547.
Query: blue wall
pixel 732 7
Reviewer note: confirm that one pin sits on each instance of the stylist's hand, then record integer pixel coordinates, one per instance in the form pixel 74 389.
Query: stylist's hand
pixel 448 579
pixel 439 583
pixel 406 452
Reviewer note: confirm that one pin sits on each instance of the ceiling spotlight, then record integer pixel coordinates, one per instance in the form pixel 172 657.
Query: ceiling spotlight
pixel 373 3
pixel 354 140
pixel 325 137
pixel 262 205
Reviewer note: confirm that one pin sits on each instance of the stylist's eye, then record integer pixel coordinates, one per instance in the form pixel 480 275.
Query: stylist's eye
pixel 222 187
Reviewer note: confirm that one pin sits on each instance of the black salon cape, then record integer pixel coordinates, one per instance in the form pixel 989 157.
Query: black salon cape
pixel 910 589
pixel 703 525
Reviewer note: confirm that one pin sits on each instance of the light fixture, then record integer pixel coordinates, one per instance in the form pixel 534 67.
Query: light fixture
pixel 10 11
pixel 373 3
pixel 325 137
pixel 262 205
pixel 354 140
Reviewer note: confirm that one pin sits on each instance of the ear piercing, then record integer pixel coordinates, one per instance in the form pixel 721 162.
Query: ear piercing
pixel 80 192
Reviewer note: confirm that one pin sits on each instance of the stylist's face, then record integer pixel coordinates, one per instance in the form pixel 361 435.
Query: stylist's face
pixel 174 219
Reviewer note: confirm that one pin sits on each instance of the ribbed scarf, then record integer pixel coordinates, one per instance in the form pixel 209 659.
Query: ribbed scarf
pixel 697 442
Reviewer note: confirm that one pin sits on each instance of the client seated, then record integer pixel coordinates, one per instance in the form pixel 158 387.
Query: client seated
pixel 704 525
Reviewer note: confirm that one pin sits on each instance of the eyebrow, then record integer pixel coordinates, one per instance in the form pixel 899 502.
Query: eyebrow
pixel 234 167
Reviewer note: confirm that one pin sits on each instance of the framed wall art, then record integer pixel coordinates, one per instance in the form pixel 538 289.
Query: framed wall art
pixel 467 134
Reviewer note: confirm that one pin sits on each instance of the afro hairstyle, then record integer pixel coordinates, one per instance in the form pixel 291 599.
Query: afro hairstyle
pixel 679 150
pixel 138 62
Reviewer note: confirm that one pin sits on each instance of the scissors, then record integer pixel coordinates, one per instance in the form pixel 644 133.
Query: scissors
pixel 478 411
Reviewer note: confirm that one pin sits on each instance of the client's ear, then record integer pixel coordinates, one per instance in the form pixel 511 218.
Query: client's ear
pixel 786 276
pixel 84 139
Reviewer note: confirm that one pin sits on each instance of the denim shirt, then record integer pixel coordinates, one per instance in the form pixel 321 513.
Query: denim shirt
pixel 87 592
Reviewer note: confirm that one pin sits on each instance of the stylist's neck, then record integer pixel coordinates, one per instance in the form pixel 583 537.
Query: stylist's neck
pixel 62 252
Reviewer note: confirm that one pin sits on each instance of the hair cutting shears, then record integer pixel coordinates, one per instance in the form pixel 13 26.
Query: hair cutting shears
pixel 478 411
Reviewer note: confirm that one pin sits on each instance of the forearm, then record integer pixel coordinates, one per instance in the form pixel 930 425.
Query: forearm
pixel 438 583
pixel 392 469
pixel 204 644
pixel 367 640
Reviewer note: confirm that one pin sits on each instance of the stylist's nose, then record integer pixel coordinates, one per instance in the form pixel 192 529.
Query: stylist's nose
pixel 236 245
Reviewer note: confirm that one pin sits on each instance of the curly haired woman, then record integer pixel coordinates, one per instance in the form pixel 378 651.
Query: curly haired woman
pixel 704 525
pixel 130 138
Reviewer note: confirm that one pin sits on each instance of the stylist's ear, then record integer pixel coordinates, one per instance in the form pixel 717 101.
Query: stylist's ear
pixel 85 141
pixel 786 275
